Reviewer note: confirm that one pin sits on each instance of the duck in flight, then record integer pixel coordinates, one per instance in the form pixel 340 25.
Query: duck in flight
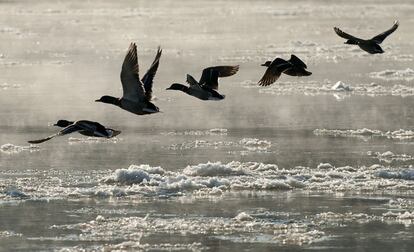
pixel 369 45
pixel 137 93
pixel 205 89
pixel 293 67
pixel 84 127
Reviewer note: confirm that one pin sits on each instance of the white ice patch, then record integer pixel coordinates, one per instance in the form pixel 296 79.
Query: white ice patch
pixel 135 174
pixel 390 157
pixel 92 140
pixel 406 74
pixel 208 179
pixel 248 144
pixel 210 132
pixel 14 149
pixel 5 86
pixel 8 234
pixel 339 90
pixel 244 230
pixel 214 169
pixel 365 133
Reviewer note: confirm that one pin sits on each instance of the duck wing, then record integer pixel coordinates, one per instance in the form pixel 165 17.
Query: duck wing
pixel 70 129
pixel 273 72
pixel 193 83
pixel 150 74
pixel 210 75
pixel 346 35
pixel 132 86
pixel 296 61
pixel 379 38
pixel 95 128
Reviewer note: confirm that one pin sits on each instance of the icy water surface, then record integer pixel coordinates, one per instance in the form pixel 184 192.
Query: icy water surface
pixel 323 163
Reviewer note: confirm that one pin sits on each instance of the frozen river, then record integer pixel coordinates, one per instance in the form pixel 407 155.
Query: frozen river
pixel 321 163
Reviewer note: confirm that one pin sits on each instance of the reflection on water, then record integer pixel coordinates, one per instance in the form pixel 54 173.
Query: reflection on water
pixel 322 163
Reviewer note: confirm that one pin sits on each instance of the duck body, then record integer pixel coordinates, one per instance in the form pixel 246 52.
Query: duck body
pixel 137 93
pixel 292 67
pixel 203 93
pixel 372 45
pixel 206 88
pixel 139 108
pixel 84 127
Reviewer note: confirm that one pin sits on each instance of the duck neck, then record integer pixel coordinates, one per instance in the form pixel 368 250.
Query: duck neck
pixel 112 100
pixel 182 87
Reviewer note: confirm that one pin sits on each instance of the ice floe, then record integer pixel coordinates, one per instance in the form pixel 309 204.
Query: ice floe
pixel 339 89
pixel 14 149
pixel 365 133
pixel 6 86
pixel 224 228
pixel 211 132
pixel 390 157
pixel 209 179
pixel 406 74
pixel 92 140
pixel 247 144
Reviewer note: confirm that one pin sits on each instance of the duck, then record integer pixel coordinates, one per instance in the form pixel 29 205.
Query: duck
pixel 206 88
pixel 137 93
pixel 293 67
pixel 84 127
pixel 369 45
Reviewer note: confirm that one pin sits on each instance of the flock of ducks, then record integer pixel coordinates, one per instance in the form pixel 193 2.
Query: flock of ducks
pixel 137 93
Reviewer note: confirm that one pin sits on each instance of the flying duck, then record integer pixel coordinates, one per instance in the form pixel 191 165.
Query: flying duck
pixel 84 127
pixel 369 45
pixel 293 67
pixel 205 89
pixel 137 93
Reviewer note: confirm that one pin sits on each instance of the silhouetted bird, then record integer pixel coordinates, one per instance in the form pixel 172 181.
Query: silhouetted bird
pixel 293 67
pixel 84 127
pixel 369 45
pixel 137 93
pixel 206 88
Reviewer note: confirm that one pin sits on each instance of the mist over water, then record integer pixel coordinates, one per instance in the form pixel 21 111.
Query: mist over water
pixel 323 162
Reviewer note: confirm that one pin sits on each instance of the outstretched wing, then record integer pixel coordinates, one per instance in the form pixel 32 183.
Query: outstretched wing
pixel 131 84
pixel 270 76
pixel 95 128
pixel 345 35
pixel 210 75
pixel 379 38
pixel 149 75
pixel 70 129
pixel 193 83
pixel 296 61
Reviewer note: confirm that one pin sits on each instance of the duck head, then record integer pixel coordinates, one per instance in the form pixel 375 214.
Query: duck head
pixel 63 123
pixel 267 63
pixel 109 99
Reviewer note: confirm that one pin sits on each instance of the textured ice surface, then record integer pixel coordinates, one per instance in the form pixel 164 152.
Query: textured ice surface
pixel 406 74
pixel 206 179
pixel 390 157
pixel 5 86
pixel 14 149
pixel 233 229
pixel 338 89
pixel 212 132
pixel 247 144
pixel 77 140
pixel 366 133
